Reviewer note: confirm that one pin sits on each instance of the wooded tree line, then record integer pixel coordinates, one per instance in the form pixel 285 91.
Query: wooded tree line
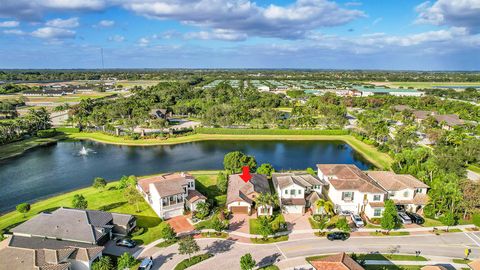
pixel 28 125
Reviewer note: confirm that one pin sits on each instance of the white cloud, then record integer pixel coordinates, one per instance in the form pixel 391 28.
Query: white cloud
pixel 53 33
pixel 460 13
pixel 63 23
pixel 106 23
pixel 116 38
pixel 243 16
pixel 143 42
pixel 219 34
pixel 9 24
pixel 377 20
pixel 14 32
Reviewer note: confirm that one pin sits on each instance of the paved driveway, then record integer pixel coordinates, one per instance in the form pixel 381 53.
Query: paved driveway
pixel 240 223
pixel 297 221
pixel 180 224
pixel 112 249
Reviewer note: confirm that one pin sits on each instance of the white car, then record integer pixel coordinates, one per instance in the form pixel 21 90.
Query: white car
pixel 404 218
pixel 146 264
pixel 357 220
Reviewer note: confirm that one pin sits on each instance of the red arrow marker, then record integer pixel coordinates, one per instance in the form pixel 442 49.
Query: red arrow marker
pixel 246 176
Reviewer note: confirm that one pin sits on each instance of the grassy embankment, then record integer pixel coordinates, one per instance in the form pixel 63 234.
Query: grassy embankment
pixel 110 199
pixel 369 152
pixel 17 148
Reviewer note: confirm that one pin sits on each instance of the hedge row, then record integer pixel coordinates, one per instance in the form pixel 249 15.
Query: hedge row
pixel 194 260
pixel 239 131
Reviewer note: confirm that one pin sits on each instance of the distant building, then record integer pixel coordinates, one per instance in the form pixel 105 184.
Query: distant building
pixel 263 88
pixel 50 92
pixel 160 113
pixel 449 121
pixel 365 91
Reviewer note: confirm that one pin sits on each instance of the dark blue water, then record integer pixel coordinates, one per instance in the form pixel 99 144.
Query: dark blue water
pixel 58 168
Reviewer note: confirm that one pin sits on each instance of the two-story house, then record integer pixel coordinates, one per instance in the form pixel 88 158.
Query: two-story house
pixel 241 195
pixel 350 189
pixel 405 190
pixel 63 239
pixel 169 194
pixel 297 191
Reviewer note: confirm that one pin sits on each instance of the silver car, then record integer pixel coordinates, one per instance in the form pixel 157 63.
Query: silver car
pixel 357 220
pixel 404 218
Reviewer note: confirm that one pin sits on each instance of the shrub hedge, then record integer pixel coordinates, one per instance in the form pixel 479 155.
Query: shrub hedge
pixel 194 260
pixel 239 131
pixel 47 133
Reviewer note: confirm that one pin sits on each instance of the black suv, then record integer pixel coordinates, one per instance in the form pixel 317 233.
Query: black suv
pixel 338 236
pixel 416 218
pixel 125 242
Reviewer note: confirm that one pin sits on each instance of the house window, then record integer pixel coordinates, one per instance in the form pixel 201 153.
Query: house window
pixel 419 190
pixel 376 198
pixel 405 194
pixel 347 196
pixel 377 212
pixel 292 192
pixel 299 192
pixel 286 191
pixel 391 194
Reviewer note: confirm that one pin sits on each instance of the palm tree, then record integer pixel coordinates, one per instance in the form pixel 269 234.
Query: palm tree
pixel 320 204
pixel 326 206
pixel 263 200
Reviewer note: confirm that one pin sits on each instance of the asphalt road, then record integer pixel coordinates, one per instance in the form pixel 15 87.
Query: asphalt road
pixel 228 253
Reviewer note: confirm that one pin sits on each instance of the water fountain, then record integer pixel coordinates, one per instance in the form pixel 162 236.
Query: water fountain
pixel 83 151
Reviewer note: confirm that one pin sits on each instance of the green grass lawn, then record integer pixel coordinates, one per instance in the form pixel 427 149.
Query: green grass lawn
pixel 430 222
pixel 474 168
pixel 207 185
pixel 270 267
pixel 461 261
pixel 215 235
pixel 166 243
pixel 390 257
pixel 192 261
pixel 18 148
pixel 269 240
pixel 255 224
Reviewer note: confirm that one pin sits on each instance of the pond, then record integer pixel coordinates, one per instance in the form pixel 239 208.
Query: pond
pixel 58 168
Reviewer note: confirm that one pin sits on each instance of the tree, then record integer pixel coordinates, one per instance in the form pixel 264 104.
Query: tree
pixel 126 261
pixel 217 225
pixel 265 227
pixel 168 233
pixel 133 196
pixel 104 263
pixel 222 182
pixel 23 208
pixel 202 210
pixel 263 200
pixel 342 224
pixel 188 246
pixel 79 202
pixel 247 262
pixel 448 219
pixel 266 169
pixel 127 181
pixel 390 216
pixel 234 161
pixel 99 183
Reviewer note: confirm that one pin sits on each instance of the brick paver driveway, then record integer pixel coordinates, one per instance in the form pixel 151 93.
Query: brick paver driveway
pixel 180 224
pixel 297 221
pixel 240 223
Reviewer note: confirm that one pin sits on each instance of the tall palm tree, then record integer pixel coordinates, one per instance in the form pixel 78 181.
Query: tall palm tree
pixel 320 204
pixel 327 206
pixel 263 200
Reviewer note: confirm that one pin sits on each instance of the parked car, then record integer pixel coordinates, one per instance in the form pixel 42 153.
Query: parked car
pixel 126 242
pixel 338 236
pixel 404 218
pixel 146 264
pixel 357 220
pixel 416 218
pixel 345 213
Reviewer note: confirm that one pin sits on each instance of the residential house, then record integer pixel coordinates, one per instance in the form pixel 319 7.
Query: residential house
pixel 297 191
pixel 160 113
pixel 475 264
pixel 404 189
pixel 241 195
pixel 63 239
pixel 339 261
pixel 422 115
pixel 401 108
pixel 350 189
pixel 169 194
pixel 448 121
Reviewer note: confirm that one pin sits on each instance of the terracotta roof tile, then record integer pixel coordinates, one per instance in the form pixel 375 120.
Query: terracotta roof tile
pixel 394 182
pixel 349 177
pixel 339 261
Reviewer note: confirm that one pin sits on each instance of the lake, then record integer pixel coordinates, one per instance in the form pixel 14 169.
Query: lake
pixel 58 168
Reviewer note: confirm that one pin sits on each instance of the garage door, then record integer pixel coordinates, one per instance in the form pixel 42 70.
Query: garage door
pixel 172 213
pixel 239 209
pixel 294 209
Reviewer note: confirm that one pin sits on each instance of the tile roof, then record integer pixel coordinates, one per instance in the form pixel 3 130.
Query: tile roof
pixel 194 195
pixel 422 114
pixel 475 265
pixel 418 199
pixel 238 190
pixel 339 261
pixel 433 267
pixel 293 201
pixel 450 119
pixel 312 198
pixel 166 184
pixel 394 182
pixel 68 224
pixel 401 108
pixel 349 177
pixel 376 204
pixel 284 180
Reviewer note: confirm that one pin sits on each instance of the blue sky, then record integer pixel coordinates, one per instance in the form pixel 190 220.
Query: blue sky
pixel 324 34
